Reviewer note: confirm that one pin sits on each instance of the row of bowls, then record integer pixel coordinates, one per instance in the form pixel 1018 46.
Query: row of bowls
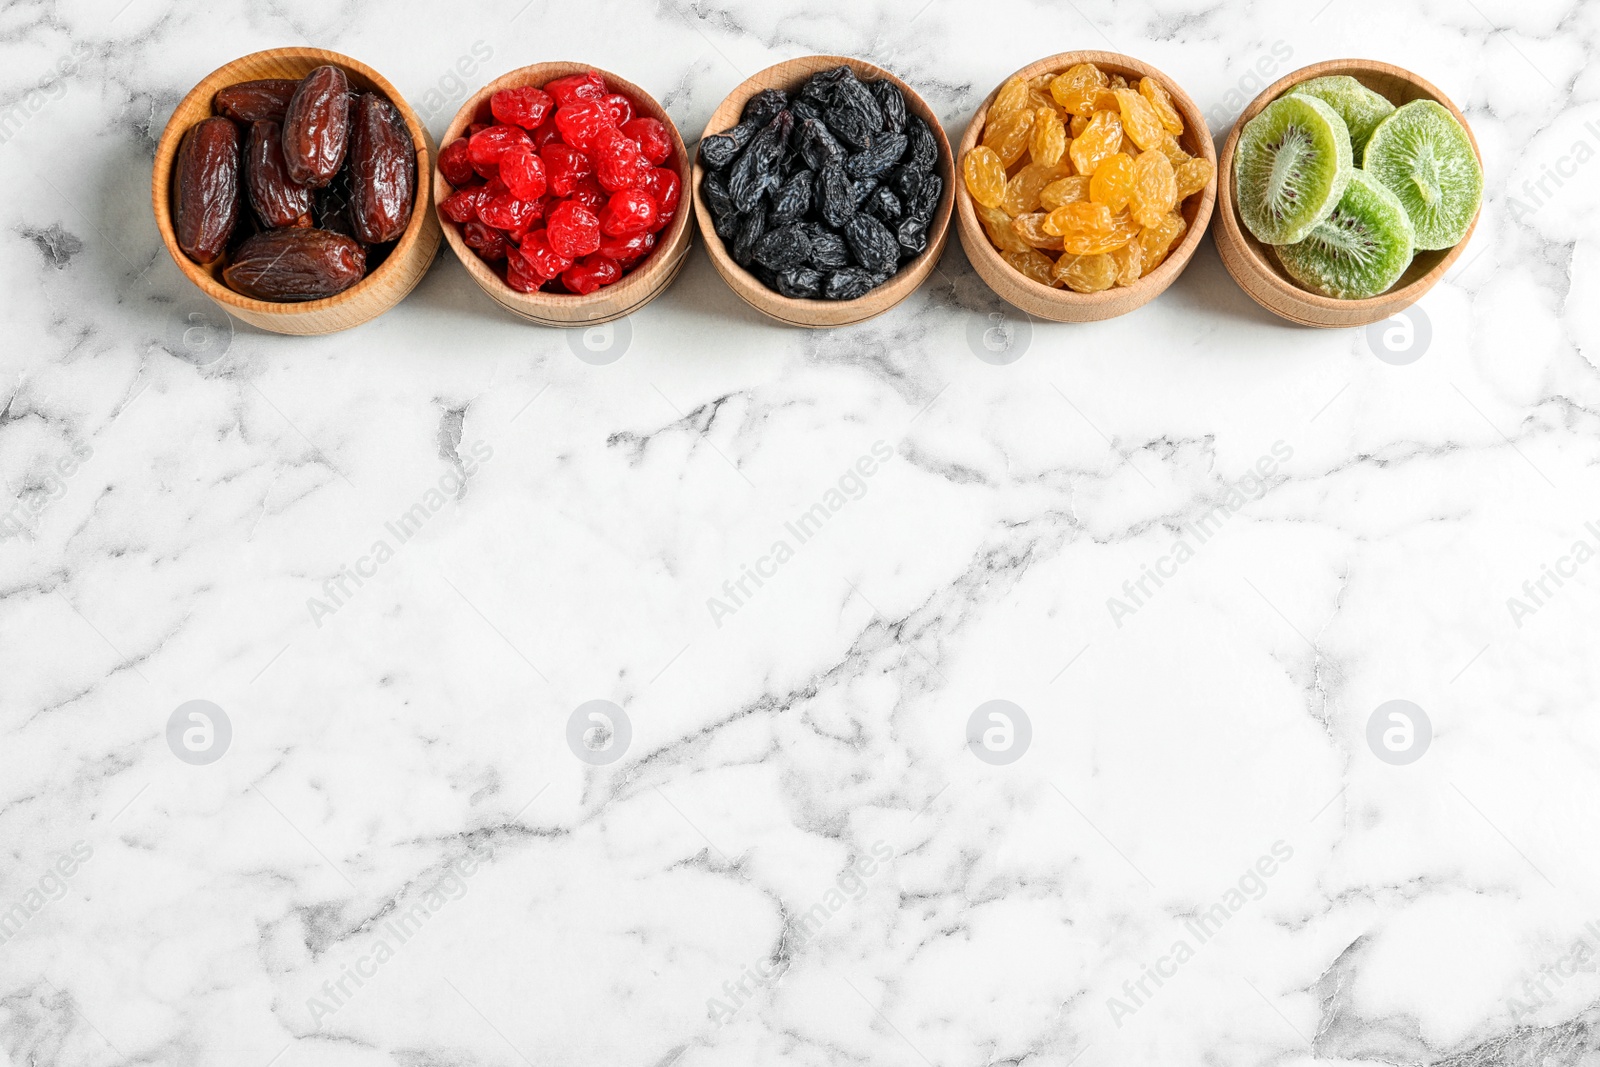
pixel 1250 264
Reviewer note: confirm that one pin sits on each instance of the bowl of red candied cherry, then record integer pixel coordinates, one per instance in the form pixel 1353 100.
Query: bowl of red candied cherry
pixel 563 186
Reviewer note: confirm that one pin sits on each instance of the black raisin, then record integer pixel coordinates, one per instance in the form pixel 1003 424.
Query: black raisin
pixel 906 181
pixel 913 235
pixel 922 150
pixel 874 246
pixel 861 190
pixel 720 149
pixel 884 205
pixel 751 229
pixel 876 161
pixel 793 199
pixel 927 199
pixel 763 107
pixel 892 102
pixel 851 95
pixel 805 109
pixel 756 172
pixel 847 284
pixel 818 145
pixel 800 283
pixel 828 250
pixel 851 125
pixel 786 247
pixel 835 196
pixel 819 88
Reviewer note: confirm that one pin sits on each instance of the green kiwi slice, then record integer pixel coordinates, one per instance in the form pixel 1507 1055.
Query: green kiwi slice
pixel 1426 158
pixel 1360 107
pixel 1358 251
pixel 1291 166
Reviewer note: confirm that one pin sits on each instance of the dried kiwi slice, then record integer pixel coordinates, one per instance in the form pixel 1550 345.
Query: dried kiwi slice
pixel 1424 156
pixel 1360 107
pixel 1292 165
pixel 1360 250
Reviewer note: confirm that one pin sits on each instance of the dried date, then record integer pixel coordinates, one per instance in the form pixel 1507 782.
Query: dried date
pixel 316 127
pixel 277 200
pixel 383 171
pixel 257 101
pixel 295 265
pixel 207 195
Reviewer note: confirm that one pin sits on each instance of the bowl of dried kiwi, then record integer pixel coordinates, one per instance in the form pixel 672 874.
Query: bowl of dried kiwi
pixel 1086 182
pixel 292 187
pixel 1349 188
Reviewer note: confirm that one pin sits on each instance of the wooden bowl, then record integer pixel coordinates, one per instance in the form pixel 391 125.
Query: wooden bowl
pixel 387 285
pixel 1253 264
pixel 648 279
pixel 1064 305
pixel 789 76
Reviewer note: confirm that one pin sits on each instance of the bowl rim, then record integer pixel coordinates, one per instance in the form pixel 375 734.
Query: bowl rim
pixel 1149 285
pixel 1250 248
pixel 633 289
pixel 166 159
pixel 906 280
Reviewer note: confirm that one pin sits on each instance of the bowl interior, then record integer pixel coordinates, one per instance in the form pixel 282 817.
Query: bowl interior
pixel 283 63
pixel 1195 140
pixel 633 287
pixel 790 76
pixel 1399 87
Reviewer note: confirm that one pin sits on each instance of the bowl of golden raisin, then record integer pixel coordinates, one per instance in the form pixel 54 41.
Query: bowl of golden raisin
pixel 1085 182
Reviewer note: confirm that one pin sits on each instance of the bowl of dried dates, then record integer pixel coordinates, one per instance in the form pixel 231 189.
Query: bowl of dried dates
pixel 560 188
pixel 1087 181
pixel 824 187
pixel 291 186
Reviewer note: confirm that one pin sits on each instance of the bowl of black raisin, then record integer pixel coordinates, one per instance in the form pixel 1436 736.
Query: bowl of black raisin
pixel 823 188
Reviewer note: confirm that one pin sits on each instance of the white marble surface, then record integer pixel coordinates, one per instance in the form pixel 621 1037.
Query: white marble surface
pixel 797 795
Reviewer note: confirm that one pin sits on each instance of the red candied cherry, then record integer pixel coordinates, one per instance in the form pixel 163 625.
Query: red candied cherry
pixel 618 162
pixel 523 172
pixel 665 186
pixel 506 212
pixel 487 241
pixel 654 140
pixel 455 164
pixel 590 273
pixel 621 108
pixel 575 87
pixel 549 133
pixel 540 257
pixel 587 191
pixel 526 107
pixel 476 127
pixel 462 205
pixel 627 250
pixel 518 276
pixel 628 212
pixel 532 217
pixel 564 166
pixel 582 121
pixel 573 229
pixel 487 146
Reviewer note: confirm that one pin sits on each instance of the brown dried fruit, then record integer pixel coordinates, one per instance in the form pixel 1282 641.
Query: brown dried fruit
pixel 316 127
pixel 278 200
pixel 383 171
pixel 206 193
pixel 257 101
pixel 293 265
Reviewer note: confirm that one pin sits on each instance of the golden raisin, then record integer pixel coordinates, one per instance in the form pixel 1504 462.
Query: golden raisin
pixel 1078 124
pixel 1159 239
pixel 1030 228
pixel 1022 191
pixel 1034 265
pixel 1139 120
pixel 1008 136
pixel 1064 191
pixel 1174 153
pixel 1155 188
pixel 985 176
pixel 1012 97
pixel 1112 183
pixel 1086 274
pixel 1101 138
pixel 1087 243
pixel 1161 103
pixel 1075 89
pixel 1117 81
pixel 1192 176
pixel 1078 219
pixel 1048 142
pixel 998 226
pixel 1130 262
